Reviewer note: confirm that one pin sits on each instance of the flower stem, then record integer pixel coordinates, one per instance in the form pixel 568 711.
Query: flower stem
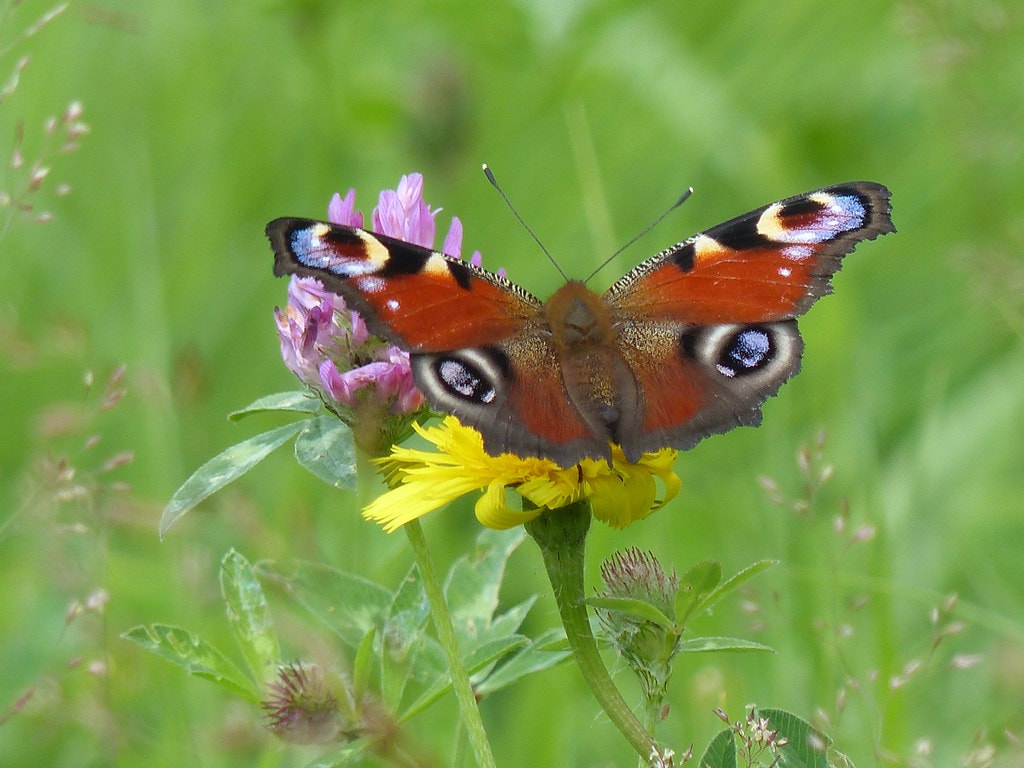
pixel 561 535
pixel 470 713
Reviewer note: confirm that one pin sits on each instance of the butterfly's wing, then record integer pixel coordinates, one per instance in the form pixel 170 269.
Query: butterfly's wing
pixel 708 326
pixel 479 344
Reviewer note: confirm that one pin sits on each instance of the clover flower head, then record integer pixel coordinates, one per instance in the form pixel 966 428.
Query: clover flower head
pixel 641 624
pixel 639 575
pixel 300 708
pixel 328 346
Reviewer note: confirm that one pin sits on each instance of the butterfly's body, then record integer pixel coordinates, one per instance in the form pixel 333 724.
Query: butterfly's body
pixel 687 344
pixel 595 377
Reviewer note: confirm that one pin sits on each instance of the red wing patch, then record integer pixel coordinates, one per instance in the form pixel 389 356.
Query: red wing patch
pixel 769 264
pixel 419 299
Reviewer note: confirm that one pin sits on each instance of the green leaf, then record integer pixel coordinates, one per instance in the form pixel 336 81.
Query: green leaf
pixel 695 585
pixel 249 616
pixel 300 401
pixel 350 754
pixel 721 752
pixel 224 468
pixel 502 628
pixel 472 584
pixel 641 609
pixel 326 448
pixel 429 664
pixel 511 620
pixel 409 605
pixel 362 666
pixel 732 644
pixel 194 655
pixel 543 652
pixel 483 656
pixel 807 748
pixel 494 650
pixel 735 581
pixel 402 637
pixel 348 604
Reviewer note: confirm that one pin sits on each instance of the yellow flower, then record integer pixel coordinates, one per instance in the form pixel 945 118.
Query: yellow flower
pixel 422 481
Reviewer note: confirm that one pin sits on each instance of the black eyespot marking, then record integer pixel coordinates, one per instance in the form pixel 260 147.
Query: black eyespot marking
pixel 340 236
pixel 466 382
pixel 800 207
pixel 747 351
pixel 463 379
pixel 460 273
pixel 689 340
pixel 740 234
pixel 405 260
pixel 684 257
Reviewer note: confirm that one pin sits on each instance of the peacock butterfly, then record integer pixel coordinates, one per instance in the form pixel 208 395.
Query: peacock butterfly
pixel 687 344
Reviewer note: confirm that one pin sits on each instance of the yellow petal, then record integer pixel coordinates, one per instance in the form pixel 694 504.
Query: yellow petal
pixel 424 480
pixel 610 502
pixel 401 505
pixel 493 511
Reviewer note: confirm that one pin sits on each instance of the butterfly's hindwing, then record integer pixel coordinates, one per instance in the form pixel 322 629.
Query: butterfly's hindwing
pixel 464 378
pixel 720 374
pixel 747 353
pixel 483 390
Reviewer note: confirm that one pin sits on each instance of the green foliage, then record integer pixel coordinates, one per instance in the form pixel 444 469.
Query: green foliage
pixel 194 655
pixel 769 738
pixel 630 609
pixel 251 626
pixel 323 445
pixel 383 632
pixel 249 616
pixel 721 752
pixel 299 401
pixel 701 587
pixel 224 468
pixel 209 119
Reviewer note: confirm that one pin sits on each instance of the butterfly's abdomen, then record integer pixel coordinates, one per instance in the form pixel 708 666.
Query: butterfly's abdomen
pixel 596 378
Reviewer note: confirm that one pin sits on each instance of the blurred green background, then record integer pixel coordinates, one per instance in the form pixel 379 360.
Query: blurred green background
pixel 209 119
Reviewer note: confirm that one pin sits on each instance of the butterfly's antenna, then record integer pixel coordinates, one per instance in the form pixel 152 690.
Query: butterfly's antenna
pixel 644 231
pixel 494 183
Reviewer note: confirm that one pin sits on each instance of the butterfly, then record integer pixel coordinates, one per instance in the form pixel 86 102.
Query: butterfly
pixel 688 344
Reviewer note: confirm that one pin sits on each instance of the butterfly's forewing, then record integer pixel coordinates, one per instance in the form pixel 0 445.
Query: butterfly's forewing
pixel 769 264
pixel 419 299
pixel 714 315
pixel 478 342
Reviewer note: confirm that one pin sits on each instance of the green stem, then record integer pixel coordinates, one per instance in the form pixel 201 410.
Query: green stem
pixel 652 713
pixel 442 617
pixel 652 716
pixel 561 535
